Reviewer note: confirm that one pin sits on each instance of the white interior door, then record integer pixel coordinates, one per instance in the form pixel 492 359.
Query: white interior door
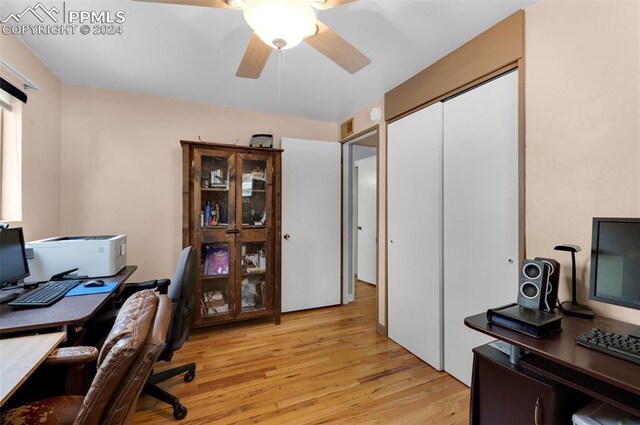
pixel 310 224
pixel 414 182
pixel 366 223
pixel 480 212
pixel 355 219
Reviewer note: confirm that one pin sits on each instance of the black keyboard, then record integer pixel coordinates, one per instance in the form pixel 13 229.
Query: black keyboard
pixel 622 346
pixel 45 295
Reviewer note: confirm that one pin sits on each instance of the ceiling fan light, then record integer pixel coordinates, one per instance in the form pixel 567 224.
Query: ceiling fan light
pixel 282 24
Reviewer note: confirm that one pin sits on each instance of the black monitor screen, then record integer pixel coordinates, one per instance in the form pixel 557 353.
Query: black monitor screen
pixel 615 261
pixel 13 260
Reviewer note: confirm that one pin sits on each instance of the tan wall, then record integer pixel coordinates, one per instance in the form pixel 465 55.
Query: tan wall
pixel 583 128
pixel 121 164
pixel 40 141
pixel 362 122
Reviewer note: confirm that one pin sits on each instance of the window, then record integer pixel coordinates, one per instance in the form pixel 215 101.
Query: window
pixel 10 158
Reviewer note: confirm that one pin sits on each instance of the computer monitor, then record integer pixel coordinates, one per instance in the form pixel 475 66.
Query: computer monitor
pixel 615 261
pixel 13 259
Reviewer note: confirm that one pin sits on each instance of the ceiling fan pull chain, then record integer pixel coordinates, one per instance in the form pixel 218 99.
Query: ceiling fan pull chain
pixel 280 70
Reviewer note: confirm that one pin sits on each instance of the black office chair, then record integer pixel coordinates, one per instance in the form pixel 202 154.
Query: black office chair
pixel 180 291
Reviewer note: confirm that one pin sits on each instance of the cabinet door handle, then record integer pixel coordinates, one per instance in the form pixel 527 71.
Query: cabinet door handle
pixel 537 412
pixel 286 236
pixel 359 227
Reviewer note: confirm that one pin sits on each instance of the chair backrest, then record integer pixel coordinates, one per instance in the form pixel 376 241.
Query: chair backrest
pixel 126 358
pixel 182 300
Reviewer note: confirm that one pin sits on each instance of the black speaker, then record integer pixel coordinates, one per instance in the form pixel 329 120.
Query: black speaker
pixel 533 284
pixel 552 283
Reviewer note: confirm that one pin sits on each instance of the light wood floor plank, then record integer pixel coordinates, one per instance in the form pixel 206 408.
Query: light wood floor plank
pixel 324 366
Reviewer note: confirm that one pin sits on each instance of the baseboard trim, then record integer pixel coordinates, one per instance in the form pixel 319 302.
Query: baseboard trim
pixel 382 329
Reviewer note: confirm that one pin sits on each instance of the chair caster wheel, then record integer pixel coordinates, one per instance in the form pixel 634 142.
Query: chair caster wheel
pixel 179 412
pixel 189 376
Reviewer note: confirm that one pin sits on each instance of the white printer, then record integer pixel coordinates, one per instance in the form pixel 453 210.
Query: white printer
pixel 94 256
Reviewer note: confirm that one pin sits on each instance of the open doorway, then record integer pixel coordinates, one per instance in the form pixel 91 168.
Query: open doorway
pixel 360 212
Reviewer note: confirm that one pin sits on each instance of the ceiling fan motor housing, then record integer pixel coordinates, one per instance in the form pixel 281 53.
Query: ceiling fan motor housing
pixel 280 43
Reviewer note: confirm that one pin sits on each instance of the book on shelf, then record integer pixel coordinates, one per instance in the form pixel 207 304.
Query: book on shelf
pixel 216 260
pixel 217 181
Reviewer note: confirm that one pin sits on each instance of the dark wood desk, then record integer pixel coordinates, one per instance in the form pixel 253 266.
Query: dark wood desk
pixel 558 357
pixel 69 311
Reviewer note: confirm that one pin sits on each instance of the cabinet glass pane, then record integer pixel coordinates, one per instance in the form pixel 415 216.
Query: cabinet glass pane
pixel 254 267
pixel 254 194
pixel 214 189
pixel 215 279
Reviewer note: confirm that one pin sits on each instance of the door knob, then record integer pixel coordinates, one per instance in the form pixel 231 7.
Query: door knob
pixel 510 260
pixel 286 236
pixel 359 227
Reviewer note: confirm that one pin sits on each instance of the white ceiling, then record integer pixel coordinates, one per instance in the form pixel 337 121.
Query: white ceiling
pixel 192 53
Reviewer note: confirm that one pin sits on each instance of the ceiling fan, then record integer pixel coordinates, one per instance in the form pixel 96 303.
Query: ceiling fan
pixel 283 24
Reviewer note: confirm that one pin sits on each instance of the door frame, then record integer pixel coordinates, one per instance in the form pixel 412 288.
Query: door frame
pixel 375 129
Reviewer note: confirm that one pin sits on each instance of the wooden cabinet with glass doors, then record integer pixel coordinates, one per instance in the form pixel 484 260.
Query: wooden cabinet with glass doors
pixel 231 215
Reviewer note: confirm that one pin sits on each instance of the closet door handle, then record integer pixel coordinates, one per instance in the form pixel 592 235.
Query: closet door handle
pixel 537 412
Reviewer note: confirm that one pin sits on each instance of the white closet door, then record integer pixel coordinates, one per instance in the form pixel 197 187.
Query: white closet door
pixel 480 212
pixel 310 224
pixel 414 233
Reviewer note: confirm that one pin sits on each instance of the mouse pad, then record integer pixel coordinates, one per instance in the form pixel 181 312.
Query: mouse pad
pixel 82 290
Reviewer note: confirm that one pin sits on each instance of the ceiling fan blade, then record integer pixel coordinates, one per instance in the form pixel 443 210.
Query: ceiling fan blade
pixel 220 4
pixel 336 48
pixel 328 4
pixel 254 59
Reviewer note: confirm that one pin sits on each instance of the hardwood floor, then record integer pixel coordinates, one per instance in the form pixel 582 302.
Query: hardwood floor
pixel 323 366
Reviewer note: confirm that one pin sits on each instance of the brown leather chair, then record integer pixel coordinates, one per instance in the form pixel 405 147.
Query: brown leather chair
pixel 124 364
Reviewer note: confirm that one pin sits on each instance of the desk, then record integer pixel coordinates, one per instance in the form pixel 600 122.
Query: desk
pixel 67 311
pixel 558 357
pixel 20 356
